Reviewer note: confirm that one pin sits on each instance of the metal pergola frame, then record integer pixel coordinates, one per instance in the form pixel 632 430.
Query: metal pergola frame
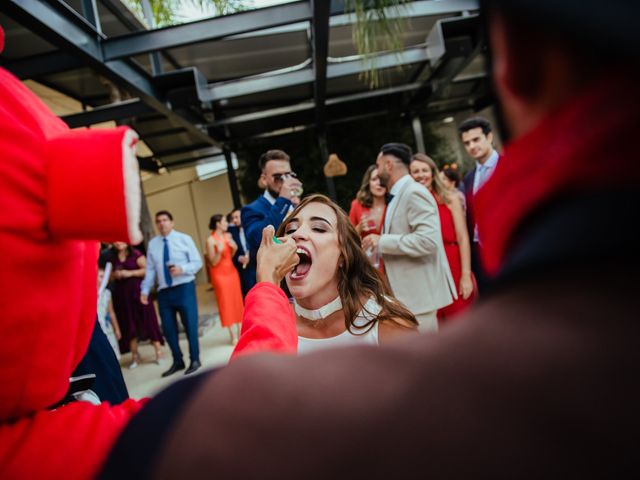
pixel 156 96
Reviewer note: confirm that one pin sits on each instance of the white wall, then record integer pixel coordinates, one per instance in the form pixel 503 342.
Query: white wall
pixel 190 201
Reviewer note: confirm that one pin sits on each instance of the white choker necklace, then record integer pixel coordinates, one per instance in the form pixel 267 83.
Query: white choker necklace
pixel 319 313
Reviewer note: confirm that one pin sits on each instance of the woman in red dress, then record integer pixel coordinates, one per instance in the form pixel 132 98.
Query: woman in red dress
pixel 454 233
pixel 224 276
pixel 368 209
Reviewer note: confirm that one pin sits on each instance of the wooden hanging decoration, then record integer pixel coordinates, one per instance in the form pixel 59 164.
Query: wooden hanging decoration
pixel 334 167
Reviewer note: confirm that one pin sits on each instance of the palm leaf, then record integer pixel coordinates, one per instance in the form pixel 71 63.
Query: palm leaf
pixel 377 28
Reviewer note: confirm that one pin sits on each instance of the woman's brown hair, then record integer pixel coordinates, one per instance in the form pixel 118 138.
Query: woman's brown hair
pixel 358 281
pixel 438 189
pixel 364 195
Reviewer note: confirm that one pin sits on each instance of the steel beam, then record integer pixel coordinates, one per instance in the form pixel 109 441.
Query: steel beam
pixel 43 64
pixel 117 8
pixel 450 49
pixel 249 86
pixel 293 15
pixel 205 30
pixel 161 133
pixel 464 106
pixel 310 105
pixel 115 111
pixel 231 177
pixel 263 83
pixel 66 29
pixel 320 49
pixel 183 162
pixel 414 9
pixel 149 164
pixel 179 150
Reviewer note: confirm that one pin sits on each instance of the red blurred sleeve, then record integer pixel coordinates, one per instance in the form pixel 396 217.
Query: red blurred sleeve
pixel 71 442
pixel 268 323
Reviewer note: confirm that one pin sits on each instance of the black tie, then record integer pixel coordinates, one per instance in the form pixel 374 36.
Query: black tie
pixel 389 198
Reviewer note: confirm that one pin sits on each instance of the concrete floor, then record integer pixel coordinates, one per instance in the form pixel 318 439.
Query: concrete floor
pixel 215 350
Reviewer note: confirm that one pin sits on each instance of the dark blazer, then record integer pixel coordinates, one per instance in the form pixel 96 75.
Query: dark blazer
pixel 235 234
pixel 257 215
pixel 468 180
pixel 247 274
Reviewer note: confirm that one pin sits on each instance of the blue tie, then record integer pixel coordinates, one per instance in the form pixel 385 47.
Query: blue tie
pixel 165 259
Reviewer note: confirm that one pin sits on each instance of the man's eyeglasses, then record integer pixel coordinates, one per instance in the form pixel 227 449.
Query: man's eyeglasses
pixel 280 177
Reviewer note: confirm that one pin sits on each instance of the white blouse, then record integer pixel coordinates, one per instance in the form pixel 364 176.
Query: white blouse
pixel 370 311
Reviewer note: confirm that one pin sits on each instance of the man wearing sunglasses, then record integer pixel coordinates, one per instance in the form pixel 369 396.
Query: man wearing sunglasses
pixel 282 192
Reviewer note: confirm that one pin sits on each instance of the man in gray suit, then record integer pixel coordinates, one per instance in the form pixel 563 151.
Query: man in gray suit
pixel 411 245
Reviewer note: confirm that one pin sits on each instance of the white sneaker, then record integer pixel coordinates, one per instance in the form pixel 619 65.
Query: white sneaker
pixel 133 365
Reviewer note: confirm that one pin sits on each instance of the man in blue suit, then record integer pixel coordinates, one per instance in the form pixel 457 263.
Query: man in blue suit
pixel 282 193
pixel 242 257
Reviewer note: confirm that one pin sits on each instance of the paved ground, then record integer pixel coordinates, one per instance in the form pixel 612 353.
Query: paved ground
pixel 215 349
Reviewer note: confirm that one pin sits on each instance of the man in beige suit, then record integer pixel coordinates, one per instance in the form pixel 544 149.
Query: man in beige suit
pixel 411 245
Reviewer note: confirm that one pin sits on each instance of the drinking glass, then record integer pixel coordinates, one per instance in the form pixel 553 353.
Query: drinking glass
pixel 373 256
pixel 369 223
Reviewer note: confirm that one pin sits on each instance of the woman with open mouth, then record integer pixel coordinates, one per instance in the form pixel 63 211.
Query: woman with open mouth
pixel 339 297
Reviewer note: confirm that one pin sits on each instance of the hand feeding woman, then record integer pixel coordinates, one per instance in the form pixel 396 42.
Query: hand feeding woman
pixel 340 299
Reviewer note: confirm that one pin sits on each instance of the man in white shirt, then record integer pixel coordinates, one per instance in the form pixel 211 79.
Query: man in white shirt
pixel 172 263
pixel 411 245
pixel 477 137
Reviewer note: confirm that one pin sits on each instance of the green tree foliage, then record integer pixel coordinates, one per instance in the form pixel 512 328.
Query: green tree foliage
pixel 377 28
pixel 172 12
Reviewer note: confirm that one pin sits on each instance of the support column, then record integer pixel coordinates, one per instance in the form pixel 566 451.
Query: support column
pixel 146 222
pixel 416 124
pixel 231 175
pixel 324 155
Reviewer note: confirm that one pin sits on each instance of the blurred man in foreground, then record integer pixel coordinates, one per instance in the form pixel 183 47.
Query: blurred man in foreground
pixel 541 380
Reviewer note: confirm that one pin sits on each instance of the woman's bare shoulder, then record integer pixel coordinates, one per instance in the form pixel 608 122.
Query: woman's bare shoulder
pixel 394 327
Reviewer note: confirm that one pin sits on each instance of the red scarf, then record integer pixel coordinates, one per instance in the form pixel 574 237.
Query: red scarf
pixel 588 144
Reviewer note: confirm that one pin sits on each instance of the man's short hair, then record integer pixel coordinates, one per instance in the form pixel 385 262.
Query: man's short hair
pixel 399 150
pixel 475 122
pixel 230 214
pixel 269 155
pixel 164 212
